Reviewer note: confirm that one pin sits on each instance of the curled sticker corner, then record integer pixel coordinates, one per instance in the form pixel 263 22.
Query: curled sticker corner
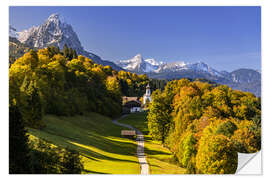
pixel 249 163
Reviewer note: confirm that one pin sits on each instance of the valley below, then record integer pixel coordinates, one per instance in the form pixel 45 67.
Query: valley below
pixel 101 147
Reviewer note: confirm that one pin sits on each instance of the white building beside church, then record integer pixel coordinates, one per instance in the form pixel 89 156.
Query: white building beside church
pixel 135 109
pixel 147 95
pixel 131 104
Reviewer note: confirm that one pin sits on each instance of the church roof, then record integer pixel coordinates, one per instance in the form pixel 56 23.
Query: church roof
pixel 125 98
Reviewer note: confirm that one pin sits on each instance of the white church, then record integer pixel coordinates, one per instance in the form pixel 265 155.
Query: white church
pixel 133 105
pixel 147 95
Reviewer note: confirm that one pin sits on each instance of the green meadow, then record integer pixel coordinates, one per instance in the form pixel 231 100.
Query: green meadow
pixel 102 149
pixel 159 158
pixel 98 141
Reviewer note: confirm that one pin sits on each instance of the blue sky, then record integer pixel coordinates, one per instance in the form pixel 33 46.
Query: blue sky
pixel 226 38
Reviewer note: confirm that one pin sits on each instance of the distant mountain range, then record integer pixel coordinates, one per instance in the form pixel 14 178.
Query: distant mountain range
pixel 58 33
pixel 140 65
pixel 242 79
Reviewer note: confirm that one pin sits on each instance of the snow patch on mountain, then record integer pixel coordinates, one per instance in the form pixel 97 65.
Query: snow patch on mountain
pixel 138 64
pixel 153 62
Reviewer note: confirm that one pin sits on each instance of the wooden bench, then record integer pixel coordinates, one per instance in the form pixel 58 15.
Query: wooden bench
pixel 128 133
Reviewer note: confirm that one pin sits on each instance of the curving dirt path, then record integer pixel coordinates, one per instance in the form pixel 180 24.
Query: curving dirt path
pixel 140 148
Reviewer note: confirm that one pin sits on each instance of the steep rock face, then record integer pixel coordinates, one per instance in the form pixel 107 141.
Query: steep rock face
pixel 51 32
pixel 55 32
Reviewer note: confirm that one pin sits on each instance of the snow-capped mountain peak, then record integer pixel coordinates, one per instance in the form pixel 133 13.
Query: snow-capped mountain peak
pixel 138 64
pixel 54 17
pixel 153 62
pixel 52 32
pixel 132 64
pixel 56 32
pixel 138 58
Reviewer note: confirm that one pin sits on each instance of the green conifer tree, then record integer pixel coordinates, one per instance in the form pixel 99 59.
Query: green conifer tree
pixel 19 158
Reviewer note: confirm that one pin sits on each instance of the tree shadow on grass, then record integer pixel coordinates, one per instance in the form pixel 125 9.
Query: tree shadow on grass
pixel 98 142
pixel 114 144
pixel 108 142
pixel 147 138
pixel 93 172
pixel 155 152
pixel 93 155
pixel 111 144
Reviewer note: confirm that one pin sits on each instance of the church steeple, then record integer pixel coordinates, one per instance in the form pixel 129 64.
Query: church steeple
pixel 148 92
pixel 147 95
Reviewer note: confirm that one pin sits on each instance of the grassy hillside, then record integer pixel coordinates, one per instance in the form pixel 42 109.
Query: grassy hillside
pixel 159 158
pixel 97 140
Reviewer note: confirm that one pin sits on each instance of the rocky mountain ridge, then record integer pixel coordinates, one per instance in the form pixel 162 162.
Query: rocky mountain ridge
pixel 54 32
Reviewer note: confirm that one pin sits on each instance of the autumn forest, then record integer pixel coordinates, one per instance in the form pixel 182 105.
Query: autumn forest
pixel 202 124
